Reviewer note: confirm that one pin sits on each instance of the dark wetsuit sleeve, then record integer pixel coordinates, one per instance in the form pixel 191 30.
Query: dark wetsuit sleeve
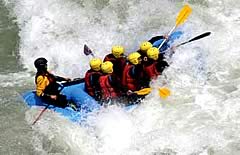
pixel 161 65
pixel 161 56
pixel 94 81
pixel 59 78
pixel 156 38
pixel 137 73
pixel 116 83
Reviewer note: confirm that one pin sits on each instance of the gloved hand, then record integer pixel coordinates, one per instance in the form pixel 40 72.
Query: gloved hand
pixel 129 92
pixel 54 97
pixel 97 95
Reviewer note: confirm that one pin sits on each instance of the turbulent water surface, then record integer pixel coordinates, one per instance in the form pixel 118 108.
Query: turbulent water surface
pixel 202 115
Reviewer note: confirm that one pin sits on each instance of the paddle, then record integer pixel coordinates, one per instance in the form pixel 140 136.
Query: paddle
pixel 40 114
pixel 87 51
pixel 195 38
pixel 163 92
pixel 183 43
pixel 181 18
pixel 65 84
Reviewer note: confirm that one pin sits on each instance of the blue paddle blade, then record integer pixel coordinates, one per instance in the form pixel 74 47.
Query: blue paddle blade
pixel 87 50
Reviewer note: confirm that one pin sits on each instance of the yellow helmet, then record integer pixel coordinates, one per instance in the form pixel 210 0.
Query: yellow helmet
pixel 95 64
pixel 145 46
pixel 107 67
pixel 118 51
pixel 133 58
pixel 153 53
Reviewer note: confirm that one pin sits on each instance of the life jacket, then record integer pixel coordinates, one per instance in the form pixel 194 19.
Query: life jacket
pixel 151 70
pixel 88 85
pixel 53 86
pixel 49 76
pixel 118 64
pixel 108 92
pixel 127 80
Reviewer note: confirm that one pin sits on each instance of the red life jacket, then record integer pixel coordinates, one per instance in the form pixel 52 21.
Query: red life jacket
pixel 127 80
pixel 118 64
pixel 107 90
pixel 151 71
pixel 88 85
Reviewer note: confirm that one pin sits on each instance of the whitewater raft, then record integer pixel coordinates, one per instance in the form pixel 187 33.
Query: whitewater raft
pixel 76 93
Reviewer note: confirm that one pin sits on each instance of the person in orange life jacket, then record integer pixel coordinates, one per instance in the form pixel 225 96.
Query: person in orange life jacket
pixel 118 59
pixel 92 78
pixel 47 87
pixel 133 72
pixel 155 64
pixel 110 84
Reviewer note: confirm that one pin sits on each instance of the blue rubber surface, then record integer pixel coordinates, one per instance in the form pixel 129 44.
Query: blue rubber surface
pixel 78 95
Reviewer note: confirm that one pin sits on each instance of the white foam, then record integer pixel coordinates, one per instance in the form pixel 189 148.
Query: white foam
pixel 200 116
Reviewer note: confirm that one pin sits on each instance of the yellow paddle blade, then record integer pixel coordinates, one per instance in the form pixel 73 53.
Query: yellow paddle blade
pixel 164 92
pixel 143 91
pixel 183 14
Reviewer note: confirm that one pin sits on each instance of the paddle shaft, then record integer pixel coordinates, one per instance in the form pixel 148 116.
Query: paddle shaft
pixel 75 81
pixel 181 18
pixel 195 38
pixel 166 38
pixel 40 114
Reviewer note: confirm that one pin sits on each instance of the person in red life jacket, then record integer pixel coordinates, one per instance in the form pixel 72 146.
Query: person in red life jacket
pixel 110 84
pixel 118 59
pixel 133 72
pixel 144 46
pixel 155 64
pixel 47 87
pixel 92 78
pixel 133 78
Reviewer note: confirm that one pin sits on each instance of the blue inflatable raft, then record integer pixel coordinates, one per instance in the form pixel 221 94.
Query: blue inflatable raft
pixel 77 94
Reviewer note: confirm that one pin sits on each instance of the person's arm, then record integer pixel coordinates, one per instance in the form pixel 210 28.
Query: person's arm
pixel 94 81
pixel 59 78
pixel 116 83
pixel 144 80
pixel 137 73
pixel 161 65
pixel 134 72
pixel 108 57
pixel 161 57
